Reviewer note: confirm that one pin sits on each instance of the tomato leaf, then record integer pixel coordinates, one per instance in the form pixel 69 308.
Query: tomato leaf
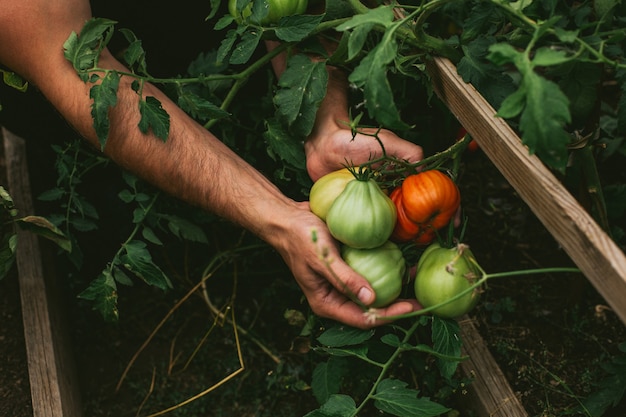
pixel 44 228
pixel 200 108
pixel 104 96
pixel 296 27
pixel 242 52
pixel 184 229
pixel 342 335
pixel 8 245
pixel 281 144
pixel 446 341
pixel 338 405
pixel 393 397
pixel 138 260
pixel 154 117
pixel 103 292
pixel 544 108
pixel 474 68
pixel 326 379
pixel 83 50
pixel 302 89
pixel 371 75
pixel 13 80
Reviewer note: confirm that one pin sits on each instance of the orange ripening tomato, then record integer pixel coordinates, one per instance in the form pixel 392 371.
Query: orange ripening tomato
pixel 405 229
pixel 430 198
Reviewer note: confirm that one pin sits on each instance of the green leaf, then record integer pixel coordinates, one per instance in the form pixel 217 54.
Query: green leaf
pixel 513 105
pixel 226 45
pixel 134 54
pixel 184 229
pixel 342 335
pixel 242 52
pixel 154 117
pixel 43 227
pixel 543 120
pixel 302 89
pixel 297 27
pixel 326 379
pixel 8 246
pixel 52 194
pixel 138 260
pixel 83 50
pixel 545 57
pixel 382 16
pixel 371 75
pixel 102 291
pixel 150 236
pixel 493 84
pixel 338 405
pixel 393 397
pixel 104 96
pixel 13 80
pixel 283 145
pixel 200 108
pixel 447 341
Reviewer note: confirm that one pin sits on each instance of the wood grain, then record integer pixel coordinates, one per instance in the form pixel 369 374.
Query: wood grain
pixel 490 394
pixel 589 247
pixel 54 390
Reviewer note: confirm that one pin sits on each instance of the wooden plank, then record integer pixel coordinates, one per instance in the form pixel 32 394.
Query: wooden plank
pixel 589 247
pixel 489 394
pixel 54 390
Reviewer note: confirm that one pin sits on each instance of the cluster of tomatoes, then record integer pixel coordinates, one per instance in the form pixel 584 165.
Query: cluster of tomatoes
pixel 371 224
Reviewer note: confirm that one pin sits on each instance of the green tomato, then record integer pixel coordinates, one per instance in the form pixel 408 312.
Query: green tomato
pixel 443 273
pixel 383 267
pixel 276 9
pixel 362 216
pixel 326 190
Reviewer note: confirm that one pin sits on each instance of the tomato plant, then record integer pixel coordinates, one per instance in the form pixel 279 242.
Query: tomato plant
pixel 362 216
pixel 425 203
pixel 276 9
pixel 443 273
pixel 383 267
pixel 326 189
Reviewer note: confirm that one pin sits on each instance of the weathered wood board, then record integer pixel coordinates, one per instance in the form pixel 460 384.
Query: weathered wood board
pixel 489 394
pixel 54 388
pixel 589 247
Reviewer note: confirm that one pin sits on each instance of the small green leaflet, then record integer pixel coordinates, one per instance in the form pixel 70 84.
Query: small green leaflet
pixel 83 50
pixel 138 260
pixel 13 80
pixel 8 245
pixel 302 89
pixel 371 75
pixel 542 106
pixel 103 292
pixel 200 108
pixel 342 335
pixel 242 51
pixel 104 96
pixel 338 405
pixel 393 397
pixel 297 27
pixel 154 117
pixel 447 341
pixel 326 379
pixel 283 145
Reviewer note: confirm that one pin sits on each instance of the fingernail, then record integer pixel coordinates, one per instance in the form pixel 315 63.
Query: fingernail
pixel 365 295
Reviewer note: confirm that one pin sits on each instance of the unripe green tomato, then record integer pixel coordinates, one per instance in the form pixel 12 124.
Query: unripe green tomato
pixel 383 267
pixel 277 9
pixel 443 273
pixel 362 216
pixel 325 191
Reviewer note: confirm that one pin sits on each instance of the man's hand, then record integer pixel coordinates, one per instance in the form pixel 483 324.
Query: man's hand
pixel 328 283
